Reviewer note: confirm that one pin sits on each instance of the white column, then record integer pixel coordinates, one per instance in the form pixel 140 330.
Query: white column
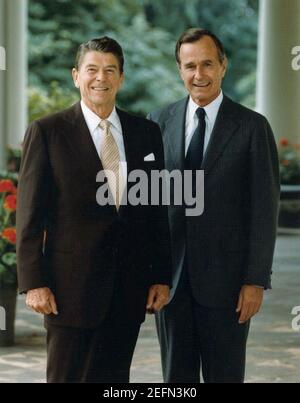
pixel 16 89
pixel 278 84
pixel 3 77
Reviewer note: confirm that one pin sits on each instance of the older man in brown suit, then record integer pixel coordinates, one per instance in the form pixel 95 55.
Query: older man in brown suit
pixel 91 269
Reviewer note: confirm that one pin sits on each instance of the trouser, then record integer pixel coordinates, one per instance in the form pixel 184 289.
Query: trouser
pixel 193 337
pixel 97 355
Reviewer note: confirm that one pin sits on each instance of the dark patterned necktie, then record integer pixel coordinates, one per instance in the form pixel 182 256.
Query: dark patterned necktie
pixel 194 157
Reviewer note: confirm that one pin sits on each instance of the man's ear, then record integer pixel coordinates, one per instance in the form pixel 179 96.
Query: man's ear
pixel 179 69
pixel 122 79
pixel 225 65
pixel 75 77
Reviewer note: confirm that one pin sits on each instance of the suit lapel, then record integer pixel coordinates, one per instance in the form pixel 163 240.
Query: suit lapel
pixel 131 145
pixel 81 142
pixel 174 136
pixel 225 127
pixel 128 131
pixel 83 148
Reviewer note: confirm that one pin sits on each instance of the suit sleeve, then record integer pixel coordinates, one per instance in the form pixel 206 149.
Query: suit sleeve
pixel 162 261
pixel 33 198
pixel 265 193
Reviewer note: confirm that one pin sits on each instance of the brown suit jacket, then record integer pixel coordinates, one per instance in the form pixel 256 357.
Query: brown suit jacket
pixel 66 241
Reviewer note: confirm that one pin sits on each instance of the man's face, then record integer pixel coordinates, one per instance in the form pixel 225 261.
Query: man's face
pixel 99 79
pixel 201 70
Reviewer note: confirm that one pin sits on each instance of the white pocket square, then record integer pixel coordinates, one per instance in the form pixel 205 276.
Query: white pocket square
pixel 149 157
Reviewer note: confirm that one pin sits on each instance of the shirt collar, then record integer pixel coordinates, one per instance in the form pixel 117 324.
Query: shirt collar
pixel 211 109
pixel 93 120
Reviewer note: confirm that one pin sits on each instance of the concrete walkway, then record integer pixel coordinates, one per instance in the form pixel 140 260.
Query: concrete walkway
pixel 273 348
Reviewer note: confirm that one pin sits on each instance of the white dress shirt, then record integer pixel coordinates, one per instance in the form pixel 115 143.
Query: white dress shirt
pixel 191 120
pixel 93 121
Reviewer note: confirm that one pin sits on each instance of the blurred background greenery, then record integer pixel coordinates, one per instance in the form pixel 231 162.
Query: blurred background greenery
pixel 147 31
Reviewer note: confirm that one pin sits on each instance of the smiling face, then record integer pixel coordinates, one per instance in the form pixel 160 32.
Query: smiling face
pixel 99 79
pixel 201 70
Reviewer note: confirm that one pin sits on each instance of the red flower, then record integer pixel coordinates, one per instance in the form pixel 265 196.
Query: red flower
pixel 10 235
pixel 6 186
pixel 284 142
pixel 10 203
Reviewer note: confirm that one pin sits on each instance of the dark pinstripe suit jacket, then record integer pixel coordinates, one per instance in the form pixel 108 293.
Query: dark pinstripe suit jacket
pixel 232 243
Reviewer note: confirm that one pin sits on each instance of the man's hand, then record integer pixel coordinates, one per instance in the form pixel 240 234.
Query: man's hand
pixel 250 300
pixel 41 300
pixel 158 297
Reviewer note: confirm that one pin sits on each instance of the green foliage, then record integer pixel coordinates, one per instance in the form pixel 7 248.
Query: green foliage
pixel 148 31
pixel 42 103
pixel 9 259
pixel 234 21
pixel 13 161
pixel 150 83
pixel 56 28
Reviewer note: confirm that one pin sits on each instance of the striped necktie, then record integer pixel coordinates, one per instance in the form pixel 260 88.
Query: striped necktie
pixel 110 158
